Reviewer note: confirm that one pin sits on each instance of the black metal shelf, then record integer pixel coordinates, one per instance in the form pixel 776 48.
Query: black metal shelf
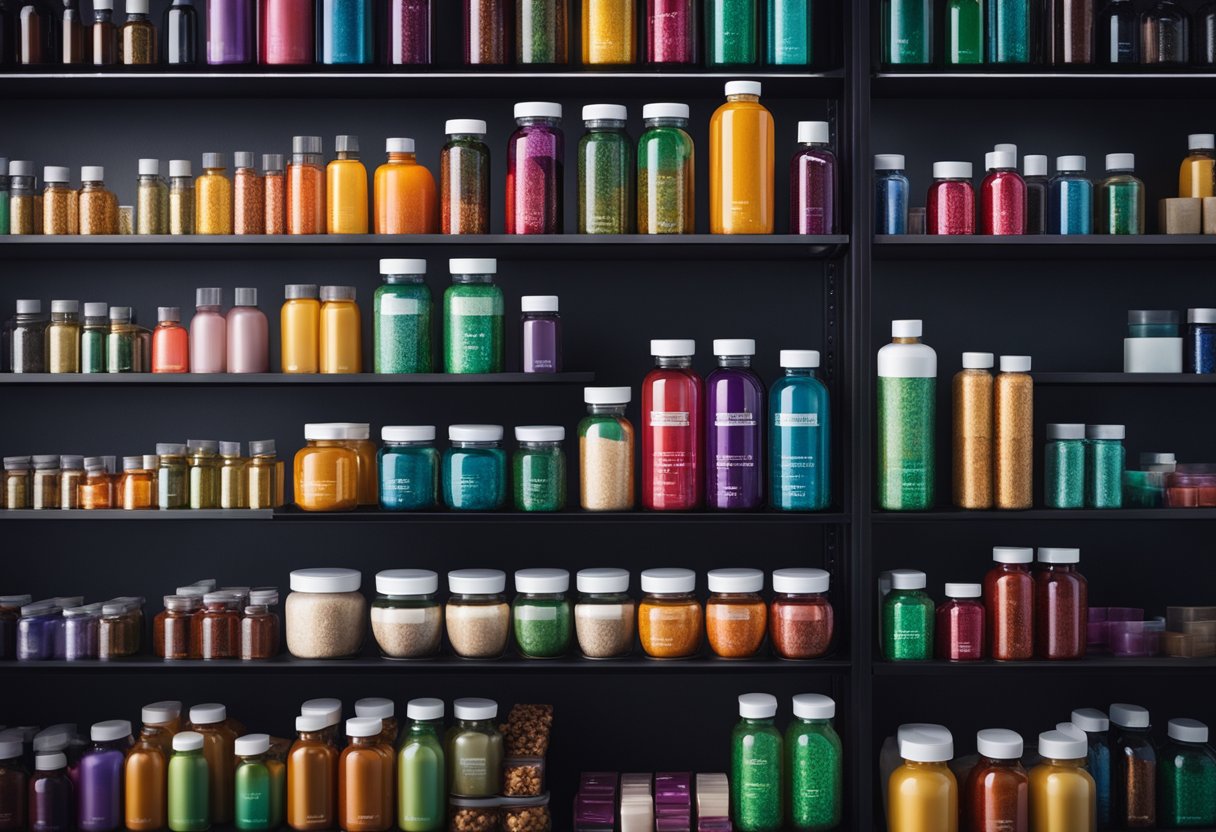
pixel 950 515
pixel 202 514
pixel 1093 664
pixel 1045 247
pixel 344 246
pixel 1023 82
pixel 290 379
pixel 462 517
pixel 1126 379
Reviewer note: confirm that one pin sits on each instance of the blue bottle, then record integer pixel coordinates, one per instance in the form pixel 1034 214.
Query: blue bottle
pixel 409 468
pixel 475 468
pixel 1009 31
pixel 799 436
pixel 890 194
pixel 1096 726
pixel 1070 198
pixel 345 33
pixel 789 32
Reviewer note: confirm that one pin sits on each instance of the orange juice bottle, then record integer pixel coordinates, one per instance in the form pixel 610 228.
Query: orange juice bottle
pixel 147 767
pixel 346 189
pixel 404 193
pixel 741 163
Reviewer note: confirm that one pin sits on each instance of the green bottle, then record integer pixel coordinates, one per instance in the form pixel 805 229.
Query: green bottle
pixel 259 784
pixel 756 760
pixel 730 32
pixel 1186 774
pixel 539 468
pixel 93 338
pixel 420 769
pixel 401 314
pixel 189 797
pixel 605 172
pixel 907 31
pixel 813 765
pixel 907 398
pixel 907 618
pixel 472 318
pixel 964 32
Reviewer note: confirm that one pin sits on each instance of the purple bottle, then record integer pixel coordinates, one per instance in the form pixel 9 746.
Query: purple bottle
pixel 230 31
pixel 813 181
pixel 51 795
pixel 409 32
pixel 542 336
pixel 36 631
pixel 248 335
pixel 99 804
pixel 734 425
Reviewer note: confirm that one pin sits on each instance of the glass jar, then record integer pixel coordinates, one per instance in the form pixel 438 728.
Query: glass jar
pixel 27 331
pixel 890 194
pixel 1070 198
pixel 71 475
pixel 365 778
pixel 306 186
pixel 232 476
pixel 345 33
pixel 152 199
pixel 137 37
pixel 541 27
pixel 922 793
pixel 93 338
pixel 605 439
pixel 606 171
pixel 312 776
pixel 996 794
pixel 1060 605
pixel 801 619
pixel 286 32
pixel 99 775
pixel 813 184
pixel 1002 195
pixel 799 436
pixel 731 33
pixel 407 620
pixel 542 334
pixel 21 181
pixel 960 624
pixel 477 616
pixel 541 613
pixel 17 482
pixel 340 343
pixel 420 767
pixel 326 471
pixel 409 38
pixel 1064 466
pixel 1104 463
pixel 1096 726
pixel 540 468
pixel 535 154
pixel 409 468
pixel 259 785
pixel 485 31
pixel 274 194
pixel 38 631
pixel 475 468
pixel 604 615
pixel 736 618
pixel 138 482
pixel 1034 174
pixel 265 488
pixel 814 765
pixel 172 478
pixel 473 318
pixel 666 203
pixel 170 342
pixel 403 192
pixel 204 472
pixel 401 313
pixel 670 617
pixel 145 771
pixel 531 813
pixel 60 202
pixel 1188 776
pixel 1061 790
pixel 173 627
pixel 300 321
pixel 951 206
pixel 474 749
pixel 474 814
pixel 1120 197
pixel 219 750
pixel 907 618
pixel 44 491
pixel 97 490
pixel 346 189
pixel 734 428
pixel 1009 603
pixel 181 197
pixel 464 173
pixel 757 799
pixel 672 400
pixel 98 210
pixel 120 629
pixel 1200 355
pixel 213 197
pixel 325 613
pixel 608 33
pixel 122 342
pixel 217 628
pixel 80 626
pixel 260 628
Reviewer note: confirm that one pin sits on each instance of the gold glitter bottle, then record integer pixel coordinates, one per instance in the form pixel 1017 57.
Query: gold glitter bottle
pixel 233 479
pixel 181 197
pixel 151 199
pixel 1014 433
pixel 98 211
pixel 59 202
pixel 213 197
pixel 972 465
pixel 63 337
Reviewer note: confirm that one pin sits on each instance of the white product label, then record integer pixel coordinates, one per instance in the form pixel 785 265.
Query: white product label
pixel 730 612
pixel 480 307
pixel 402 306
pixel 734 420
pixel 527 612
pixel 796 420
pixel 399 615
pixel 669 418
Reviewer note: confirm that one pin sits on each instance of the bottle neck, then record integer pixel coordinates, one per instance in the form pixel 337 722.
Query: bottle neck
pixel 466 444
pixel 364 742
pixel 606 409
pixel 804 372
pixel 673 361
pixel 743 97
pixel 898 340
pixel 539 121
pixel 351 155
pixel 666 121
pixel 402 278
pixel 734 361
pixel 472 278
pixel 401 156
pixel 604 124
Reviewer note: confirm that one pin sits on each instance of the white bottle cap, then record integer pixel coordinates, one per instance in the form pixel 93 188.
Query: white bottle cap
pixel 309 723
pixel 906 329
pixel 665 109
pixel 999 744
pixel 375 707
pixel 472 265
pixel 464 127
pixel 473 708
pixel 538 109
pixel 399 145
pixel 405 582
pixel 54 762
pixel 364 726
pixel 1201 141
pixel 326 580
pixel 179 167
pixel 1090 719
pixel 952 170
pixel 889 161
pixel 92 173
pixel 1034 165
pixel 137 6
pixel 665 580
pixel 742 87
pixel 477 581
pixel 208 714
pixel 402 265
pixel 252 745
pixel 607 395
pixel 55 173
pixel 110 730
pixel 1065 430
pixel 736 580
pixel 1010 148
pixel 1105 431
pixel 672 347
pixel 158 713
pixel 1070 163
pixel 1202 315
pixel 148 167
pixel 188 741
pixel 999 159
pixel 1015 363
pixel 605 112
pixel 327 708
pixel 408 433
pixel 734 346
pixel 964 590
pixel 814 706
pixel 1058 745
pixel 814 132
pixel 103 5
pixel 602 580
pixel 798 359
pixel 1012 554
pixel 1129 716
pixel 20 168
pixel 801 580
pixel 540 433
pixel 1187 730
pixel 424 709
pixel 757 705
pixel 474 433
pixel 977 361
pixel 542 581
pixel 10 749
pixel 1050 554
pixel 924 743
pixel 538 303
pixel 1120 161
pixel 907 579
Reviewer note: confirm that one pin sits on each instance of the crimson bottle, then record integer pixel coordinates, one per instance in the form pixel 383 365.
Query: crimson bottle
pixel 951 204
pixel 1002 195
pixel 1061 605
pixel 959 629
pixel 1009 604
pixel 672 398
pixel 285 32
pixel 996 797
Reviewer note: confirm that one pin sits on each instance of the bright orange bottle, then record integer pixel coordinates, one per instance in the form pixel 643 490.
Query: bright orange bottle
pixel 147 768
pixel 365 778
pixel 311 767
pixel 219 750
pixel 741 163
pixel 404 193
pixel 346 189
pixel 170 342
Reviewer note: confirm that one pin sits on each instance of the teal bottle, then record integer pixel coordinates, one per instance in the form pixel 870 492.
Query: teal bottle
pixel 907 31
pixel 408 464
pixel 965 31
pixel 189 793
pixel 907 400
pixel 1186 777
pixel 260 783
pixel 907 618
pixel 756 799
pixel 473 318
pixel 813 765
pixel 789 33
pixel 799 444
pixel 1009 31
pixel 730 32
pixel 475 468
pixel 401 318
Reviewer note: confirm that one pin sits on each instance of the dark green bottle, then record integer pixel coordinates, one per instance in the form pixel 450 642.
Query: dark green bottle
pixel 730 32
pixel 756 781
pixel 1186 777
pixel 93 338
pixel 907 618
pixel 259 784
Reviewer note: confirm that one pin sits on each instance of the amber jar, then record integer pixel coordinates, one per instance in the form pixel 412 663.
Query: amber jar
pixel 365 779
pixel 1009 604
pixel 217 629
pixel 71 475
pixel 801 616
pixel 172 628
pixel 137 485
pixel 117 634
pixel 219 749
pixel 97 490
pixel 146 769
pixel 259 633
pixel 326 471
pixel 996 795
pixel 736 617
pixel 669 616
pixel 312 776
pixel 44 490
pixel 16 482
pixel 98 211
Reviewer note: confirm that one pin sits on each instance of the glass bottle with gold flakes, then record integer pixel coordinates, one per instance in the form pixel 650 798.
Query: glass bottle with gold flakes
pixel 151 199
pixel 204 458
pixel 265 475
pixel 98 206
pixel 1014 457
pixel 137 38
pixel 16 482
pixel 181 197
pixel 232 476
pixel 44 491
pixel 173 477
pixel 63 337
pixel 972 452
pixel 71 475
pixel 213 197
pixel 59 201
pixel 21 197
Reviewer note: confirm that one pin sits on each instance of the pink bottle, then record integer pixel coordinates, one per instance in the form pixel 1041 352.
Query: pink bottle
pixel 248 335
pixel 208 338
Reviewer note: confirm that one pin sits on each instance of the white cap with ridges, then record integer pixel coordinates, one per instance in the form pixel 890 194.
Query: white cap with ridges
pixel 814 706
pixel 907 579
pixel 538 109
pixel 1034 165
pixel 952 170
pixel 742 88
pixel 1015 363
pixel 814 132
pixel 978 360
pixel 889 161
pixel 605 112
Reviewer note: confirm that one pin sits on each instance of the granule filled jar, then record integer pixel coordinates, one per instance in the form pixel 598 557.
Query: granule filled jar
pixel 326 471
pixel 98 207
pixel 260 629
pixel 325 613
pixel 409 468
pixel 474 814
pixel 604 614
pixel 59 202
pixel 217 628
pixel 16 482
pixel 406 618
pixel 71 475
pixel 172 627
pixel 541 613
pixel 540 468
pixel 1061 605
pixel 605 449
pixel 800 616
pixel 951 207
pixel 477 616
pixel 464 179
pixel 80 632
pixel 475 468
pixel 45 491
pixel 669 617
pixel 526 814
pixel 735 615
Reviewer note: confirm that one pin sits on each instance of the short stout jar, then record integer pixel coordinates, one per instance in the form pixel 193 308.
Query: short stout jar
pixel 407 621
pixel 604 614
pixel 800 616
pixel 669 617
pixel 735 615
pixel 325 613
pixel 477 615
pixel 541 613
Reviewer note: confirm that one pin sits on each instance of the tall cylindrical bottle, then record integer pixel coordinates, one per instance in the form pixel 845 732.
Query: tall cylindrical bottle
pixel 907 401
pixel 1195 174
pixel 907 31
pixel 972 445
pixel 346 189
pixel 813 181
pixel 734 428
pixel 145 777
pixel 730 32
pixel 672 399
pixel 799 437
pixel 189 785
pixel 741 163
pixel 1014 420
pixel 535 164
pixel 1002 195
pixel 756 781
pixel 248 349
pixel 420 769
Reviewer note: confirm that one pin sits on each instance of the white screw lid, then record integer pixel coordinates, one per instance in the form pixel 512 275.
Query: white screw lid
pixel 999 744
pixel 889 161
pixel 542 581
pixel 472 265
pixel 1058 745
pixel 309 723
pixel 735 580
pixel 605 112
pixel 1034 165
pixel 375 706
pixel 925 743
pixel 757 705
pixel 406 582
pixel 29 307
pixel 1049 554
pixel 475 708
pixel 180 167
pixel 964 590
pixel 1201 141
pixel 538 303
pixel 65 307
pixel 464 126
pixel 814 132
pixel 20 168
pixel 10 749
pixel 907 579
pixel 742 88
pixel 999 159
pixel 252 745
pixel 137 6
pixel 907 328
pixel 92 173
pixel 1105 431
pixel 607 395
pixel 408 433
pixel 327 708
pixel 1012 554
pixel 800 581
pixel 1007 147
pixel 54 762
pixel 477 581
pixel 402 265
pixel 540 433
pixel 799 359
pixel 734 346
pixel 1129 716
pixel 672 347
pixel 1201 316
pixel 1015 363
pixel 538 109
pixel 952 170
pixel 668 580
pixel 1065 430
pixel 364 726
pixel 814 706
pixel 55 173
pixel 424 709
pixel 475 433
pixel 328 431
pixel 326 580
pixel 1120 161
pixel 1070 163
pixel 665 109
pixel 208 714
pixel 1187 730
pixel 978 360
pixel 1090 719
pixel 110 730
pixel 399 145
pixel 602 580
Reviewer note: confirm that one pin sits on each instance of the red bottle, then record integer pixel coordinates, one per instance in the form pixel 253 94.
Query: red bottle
pixel 1009 604
pixel 1002 195
pixel 1061 605
pixel 672 400
pixel 959 629
pixel 170 342
pixel 997 792
pixel 951 203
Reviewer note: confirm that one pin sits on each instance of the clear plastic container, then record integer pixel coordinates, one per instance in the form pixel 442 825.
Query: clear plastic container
pixel 475 468
pixel 605 439
pixel 604 614
pixel 541 613
pixel 325 613
pixel 475 749
pixel 670 619
pixel 477 616
pixel 736 617
pixel 407 620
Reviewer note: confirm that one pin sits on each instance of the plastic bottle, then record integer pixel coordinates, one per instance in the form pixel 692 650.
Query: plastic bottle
pixel 346 189
pixel 907 400
pixel 208 333
pixel 800 418
pixel 248 335
pixel 741 163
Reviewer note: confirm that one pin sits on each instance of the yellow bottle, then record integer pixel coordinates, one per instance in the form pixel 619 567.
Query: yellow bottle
pixel 341 345
pixel 346 189
pixel 1195 175
pixel 741 163
pixel 1063 797
pixel 300 323
pixel 213 197
pixel 608 32
pixel 922 794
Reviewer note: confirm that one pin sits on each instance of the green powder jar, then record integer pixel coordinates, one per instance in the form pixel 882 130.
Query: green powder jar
pixel 473 318
pixel 93 338
pixel 541 614
pixel 539 468
pixel 907 400
pixel 813 765
pixel 907 618
pixel 756 798
pixel 605 172
pixel 1064 466
pixel 401 318
pixel 1104 459
pixel 1186 775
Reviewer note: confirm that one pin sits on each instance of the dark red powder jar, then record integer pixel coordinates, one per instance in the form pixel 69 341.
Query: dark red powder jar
pixel 1061 605
pixel 1009 604
pixel 951 202
pixel 1002 196
pixel 800 620
pixel 959 629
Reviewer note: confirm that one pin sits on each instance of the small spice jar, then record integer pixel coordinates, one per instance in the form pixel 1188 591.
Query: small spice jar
pixel 1187 776
pixel 541 613
pixel 17 482
pixel 605 447
pixel 204 461
pixel 217 628
pixel 27 344
pixel 181 197
pixel 526 814
pixel 475 468
pixel 540 468
pixel 274 186
pixel 325 613
pixel 474 814
pixel 260 632
pixel 1064 466
pixel 959 630
pixel 173 627
pixel 669 617
pixel 907 618
pixel 45 491
pixel 604 614
pixel 542 334
pixel 118 630
pixel 59 201
pixel 406 618
pixel 1061 605
pixel 213 197
pixel 474 749
pixel 137 485
pixel 477 615
pixel 71 475
pixel 801 619
pixel 1200 355
pixel 21 197
pixel 80 632
pixel 172 477
pixel 306 187
pixel 98 211
pixel 151 199
pixel 409 468
pixel 326 471
pixel 951 205
pixel 97 490
pixel 249 201
pixel 1104 459
pixel 736 618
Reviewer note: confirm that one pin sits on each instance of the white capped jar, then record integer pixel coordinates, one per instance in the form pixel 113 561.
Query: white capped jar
pixel 406 618
pixel 325 613
pixel 604 614
pixel 478 618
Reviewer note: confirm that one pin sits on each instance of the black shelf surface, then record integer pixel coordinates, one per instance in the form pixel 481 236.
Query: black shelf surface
pixel 1092 664
pixel 1044 247
pixel 290 379
pixel 949 515
pixel 207 514
pixel 331 82
pixel 525 246
pixel 1025 82
pixel 1126 379
pixel 569 516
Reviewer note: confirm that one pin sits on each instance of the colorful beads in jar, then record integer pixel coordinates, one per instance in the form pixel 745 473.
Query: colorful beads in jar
pixel 736 618
pixel 541 613
pixel 959 629
pixel 477 615
pixel 406 618
pixel 670 617
pixel 951 206
pixel 800 616
pixel 464 177
pixel 605 172
pixel 325 613
pixel 535 157
pixel 666 203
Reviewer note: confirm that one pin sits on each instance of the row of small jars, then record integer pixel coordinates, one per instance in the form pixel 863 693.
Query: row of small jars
pixel 68 630
pixel 408 622
pixel 202 622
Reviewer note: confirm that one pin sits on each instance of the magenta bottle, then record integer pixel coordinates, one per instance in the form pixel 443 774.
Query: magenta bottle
pixel 286 31
pixel 951 205
pixel 99 801
pixel 959 628
pixel 52 803
pixel 671 27
pixel 208 333
pixel 1002 195
pixel 409 32
pixel 813 181
pixel 734 427
pixel 535 157
pixel 248 335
